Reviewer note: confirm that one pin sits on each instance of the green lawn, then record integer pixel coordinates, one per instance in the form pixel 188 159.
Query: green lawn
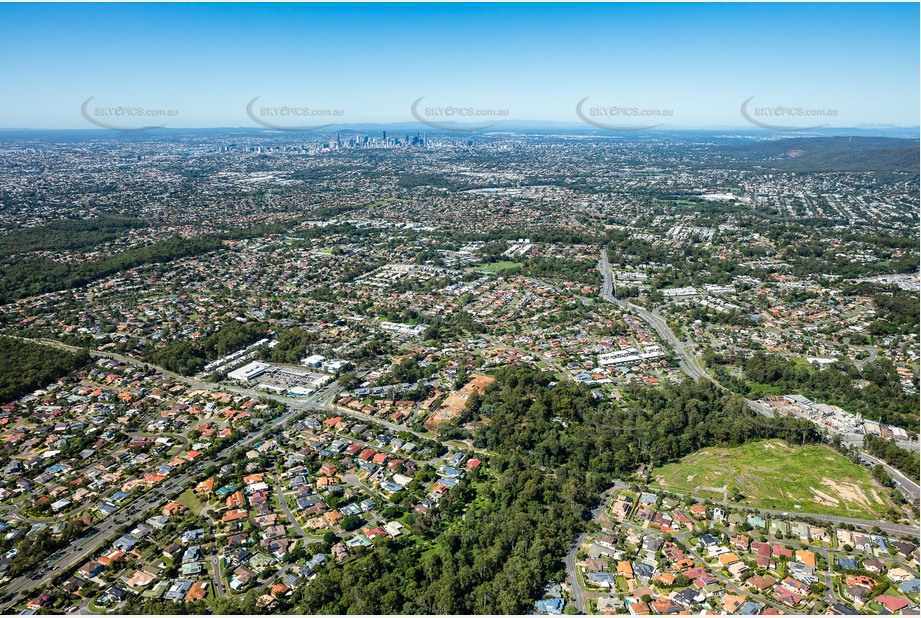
pixel 382 202
pixel 801 362
pixel 759 390
pixel 96 609
pixel 658 202
pixel 189 500
pixel 496 267
pixel 775 475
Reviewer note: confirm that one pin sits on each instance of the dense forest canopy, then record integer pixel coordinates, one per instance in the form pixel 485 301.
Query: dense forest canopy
pixel 27 366
pixel 23 277
pixel 188 357
pixel 881 397
pixel 904 460
pixel 555 450
pixel 66 235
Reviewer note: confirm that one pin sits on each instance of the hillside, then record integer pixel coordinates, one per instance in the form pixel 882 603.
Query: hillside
pixel 833 154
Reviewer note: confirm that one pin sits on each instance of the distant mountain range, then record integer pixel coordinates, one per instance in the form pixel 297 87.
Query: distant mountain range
pixel 526 126
pixel 833 154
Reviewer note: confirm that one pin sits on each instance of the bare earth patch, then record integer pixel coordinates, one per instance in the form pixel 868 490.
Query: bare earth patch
pixel 454 403
pixel 773 474
pixel 848 491
pixel 824 498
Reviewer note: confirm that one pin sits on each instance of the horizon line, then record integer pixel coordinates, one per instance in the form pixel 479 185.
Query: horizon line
pixel 516 124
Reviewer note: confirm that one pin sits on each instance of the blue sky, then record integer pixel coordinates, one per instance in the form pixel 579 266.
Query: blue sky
pixel 534 60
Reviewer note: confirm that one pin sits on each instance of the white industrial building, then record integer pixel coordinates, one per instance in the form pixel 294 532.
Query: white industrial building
pixel 248 373
pixel 629 356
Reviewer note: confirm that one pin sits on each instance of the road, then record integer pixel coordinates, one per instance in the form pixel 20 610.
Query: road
pixel 869 359
pixel 575 588
pixel 908 486
pixel 829 577
pixel 82 549
pixel 284 506
pixel 84 607
pixel 578 594
pixel 352 479
pixel 686 360
pixel 835 519
pixel 218 574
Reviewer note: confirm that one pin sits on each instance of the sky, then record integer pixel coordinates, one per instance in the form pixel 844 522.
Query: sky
pixel 859 63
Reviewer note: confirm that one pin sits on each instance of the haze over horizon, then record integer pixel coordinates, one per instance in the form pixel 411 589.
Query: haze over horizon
pixel 370 63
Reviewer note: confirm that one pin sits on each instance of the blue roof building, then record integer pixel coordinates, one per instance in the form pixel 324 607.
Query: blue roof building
pixel 550 606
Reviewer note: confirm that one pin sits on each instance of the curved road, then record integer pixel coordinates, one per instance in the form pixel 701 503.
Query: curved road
pixel 688 363
pixel 575 588
pixel 105 530
pixel 578 595
pixel 686 360
pixel 908 486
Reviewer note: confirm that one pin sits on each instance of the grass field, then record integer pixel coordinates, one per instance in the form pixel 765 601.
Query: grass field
pixel 189 500
pixel 496 267
pixel 775 475
pixel 658 202
pixel 759 390
pixel 382 202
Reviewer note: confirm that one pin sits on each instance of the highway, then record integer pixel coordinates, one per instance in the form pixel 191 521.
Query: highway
pixel 686 360
pixel 689 365
pixel 908 486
